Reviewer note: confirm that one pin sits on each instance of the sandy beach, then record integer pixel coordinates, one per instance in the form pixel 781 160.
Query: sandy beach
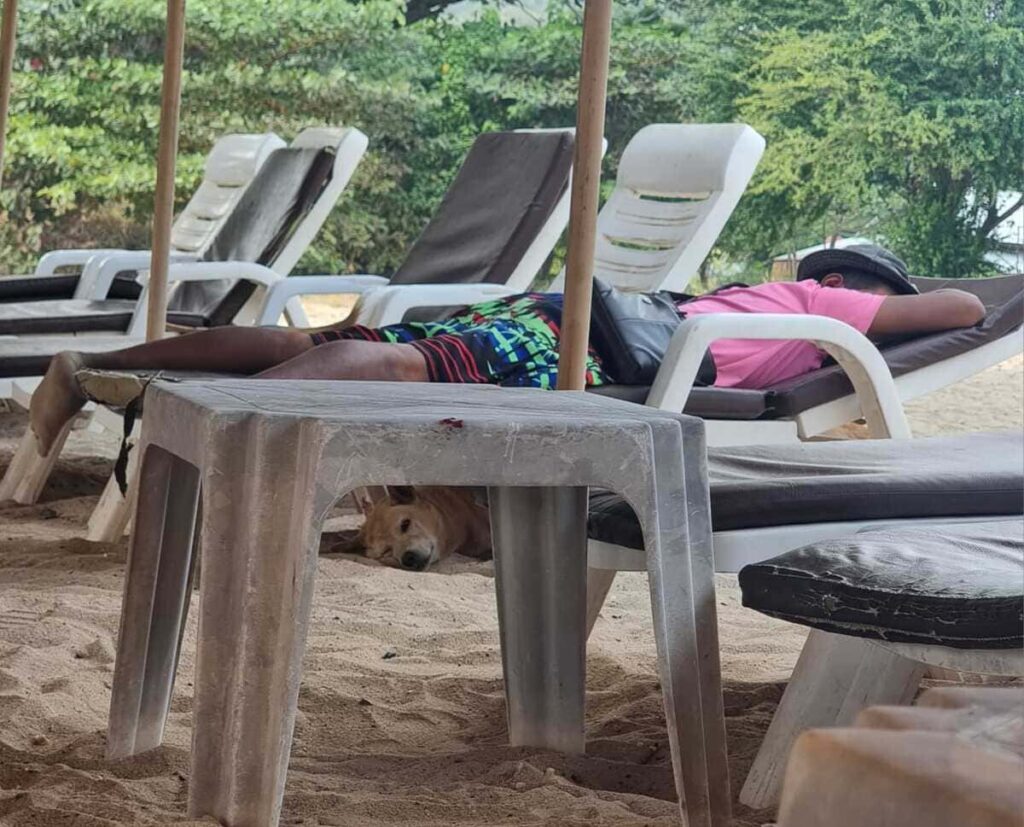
pixel 401 717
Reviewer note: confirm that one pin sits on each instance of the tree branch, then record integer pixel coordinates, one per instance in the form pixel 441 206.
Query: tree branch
pixel 995 218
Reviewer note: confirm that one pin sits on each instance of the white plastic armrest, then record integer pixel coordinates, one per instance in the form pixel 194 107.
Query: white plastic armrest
pixel 854 352
pixel 201 271
pixel 216 270
pixel 389 305
pixel 99 271
pixel 50 262
pixel 280 294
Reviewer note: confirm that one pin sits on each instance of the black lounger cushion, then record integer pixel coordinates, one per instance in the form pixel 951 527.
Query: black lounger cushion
pixel 945 585
pixel 280 195
pixel 975 475
pixel 502 195
pixel 38 288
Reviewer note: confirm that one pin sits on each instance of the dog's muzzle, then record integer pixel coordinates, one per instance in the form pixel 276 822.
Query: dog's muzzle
pixel 415 560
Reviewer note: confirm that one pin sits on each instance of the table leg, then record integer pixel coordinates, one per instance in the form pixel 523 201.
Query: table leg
pixel 681 574
pixel 540 552
pixel 156 598
pixel 260 536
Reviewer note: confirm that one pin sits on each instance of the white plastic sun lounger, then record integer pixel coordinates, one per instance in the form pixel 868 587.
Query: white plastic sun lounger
pixel 770 499
pixel 676 187
pixel 273 223
pixel 230 167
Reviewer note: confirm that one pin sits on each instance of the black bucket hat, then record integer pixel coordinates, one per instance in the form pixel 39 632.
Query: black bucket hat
pixel 868 258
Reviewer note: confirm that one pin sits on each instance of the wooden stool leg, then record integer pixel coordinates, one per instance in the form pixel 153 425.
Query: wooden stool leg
pixel 156 598
pixel 834 679
pixel 599 583
pixel 113 512
pixel 260 536
pixel 28 472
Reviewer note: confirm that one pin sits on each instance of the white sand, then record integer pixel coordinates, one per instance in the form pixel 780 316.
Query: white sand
pixel 416 739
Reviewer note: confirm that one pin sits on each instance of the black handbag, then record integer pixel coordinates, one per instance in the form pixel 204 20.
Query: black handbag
pixel 631 332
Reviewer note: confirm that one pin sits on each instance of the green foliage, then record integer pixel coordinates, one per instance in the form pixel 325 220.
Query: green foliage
pixel 898 120
pixel 904 120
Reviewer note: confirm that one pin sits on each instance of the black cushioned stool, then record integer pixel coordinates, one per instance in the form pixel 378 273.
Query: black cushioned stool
pixel 883 605
pixel 942 585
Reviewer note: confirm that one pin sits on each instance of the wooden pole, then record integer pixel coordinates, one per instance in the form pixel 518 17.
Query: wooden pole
pixel 163 213
pixel 579 271
pixel 7 35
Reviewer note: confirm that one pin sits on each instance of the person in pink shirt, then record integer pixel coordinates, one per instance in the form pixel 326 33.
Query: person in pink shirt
pixel 514 341
pixel 865 286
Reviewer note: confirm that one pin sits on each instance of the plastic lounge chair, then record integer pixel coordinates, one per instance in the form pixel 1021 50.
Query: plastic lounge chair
pixel 815 402
pixel 768 500
pixel 676 187
pixel 524 230
pixel 495 227
pixel 229 169
pixel 884 605
pixel 273 223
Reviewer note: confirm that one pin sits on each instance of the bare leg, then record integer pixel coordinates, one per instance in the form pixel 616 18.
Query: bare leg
pixel 354 359
pixel 272 353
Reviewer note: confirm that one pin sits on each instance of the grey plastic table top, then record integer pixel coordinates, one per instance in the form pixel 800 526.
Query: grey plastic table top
pixel 401 401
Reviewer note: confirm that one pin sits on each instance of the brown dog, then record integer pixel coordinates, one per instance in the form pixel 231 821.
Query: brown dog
pixel 416 527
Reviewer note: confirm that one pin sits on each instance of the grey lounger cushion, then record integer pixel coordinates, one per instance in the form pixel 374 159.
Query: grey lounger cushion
pixel 47 288
pixel 818 482
pixel 500 198
pixel 945 585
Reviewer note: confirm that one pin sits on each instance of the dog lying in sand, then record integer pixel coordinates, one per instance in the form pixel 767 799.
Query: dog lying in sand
pixel 414 528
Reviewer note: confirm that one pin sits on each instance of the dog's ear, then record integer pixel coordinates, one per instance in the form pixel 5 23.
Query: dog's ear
pixel 343 542
pixel 401 494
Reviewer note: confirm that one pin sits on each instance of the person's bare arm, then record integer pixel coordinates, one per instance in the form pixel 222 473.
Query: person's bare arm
pixel 938 310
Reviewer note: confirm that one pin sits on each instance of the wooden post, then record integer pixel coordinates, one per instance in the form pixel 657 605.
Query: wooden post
pixel 7 36
pixel 163 213
pixel 572 351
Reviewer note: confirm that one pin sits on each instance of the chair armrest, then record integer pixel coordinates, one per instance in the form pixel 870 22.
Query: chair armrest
pixel 50 262
pixel 280 294
pixel 208 271
pixel 854 352
pixel 99 271
pixel 389 305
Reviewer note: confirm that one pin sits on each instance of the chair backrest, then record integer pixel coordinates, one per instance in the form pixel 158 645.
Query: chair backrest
pixel 676 188
pixel 278 216
pixel 230 166
pixel 501 216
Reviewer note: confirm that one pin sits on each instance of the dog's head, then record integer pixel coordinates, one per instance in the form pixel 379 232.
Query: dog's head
pixel 403 531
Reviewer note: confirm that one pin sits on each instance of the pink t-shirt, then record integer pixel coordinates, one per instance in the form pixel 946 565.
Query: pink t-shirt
pixel 759 363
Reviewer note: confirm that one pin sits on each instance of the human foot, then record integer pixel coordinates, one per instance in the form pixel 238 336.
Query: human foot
pixel 56 401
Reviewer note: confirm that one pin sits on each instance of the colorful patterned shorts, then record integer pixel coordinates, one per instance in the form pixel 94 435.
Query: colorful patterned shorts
pixel 512 342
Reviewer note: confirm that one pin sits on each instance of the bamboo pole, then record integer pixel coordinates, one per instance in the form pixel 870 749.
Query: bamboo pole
pixel 163 213
pixel 7 37
pixel 572 349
